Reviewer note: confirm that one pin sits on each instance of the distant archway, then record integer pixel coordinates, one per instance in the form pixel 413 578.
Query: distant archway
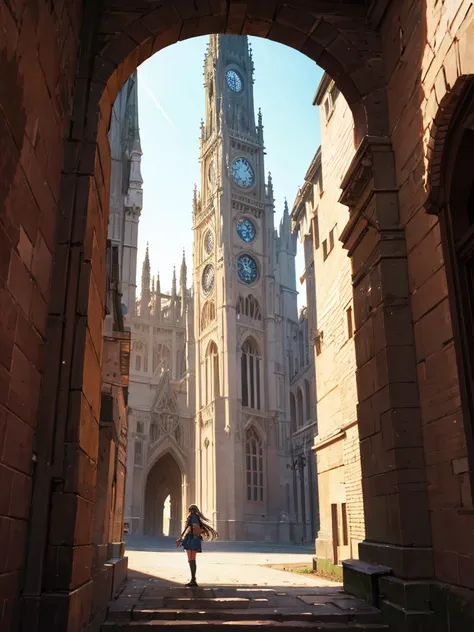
pixel 164 480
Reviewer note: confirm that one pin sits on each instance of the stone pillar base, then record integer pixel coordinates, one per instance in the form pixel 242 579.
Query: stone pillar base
pixel 120 566
pixel 116 549
pixel 410 562
pixel 362 580
pixel 284 532
pixel 405 603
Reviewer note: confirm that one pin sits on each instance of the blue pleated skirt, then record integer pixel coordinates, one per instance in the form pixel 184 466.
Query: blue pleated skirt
pixel 192 543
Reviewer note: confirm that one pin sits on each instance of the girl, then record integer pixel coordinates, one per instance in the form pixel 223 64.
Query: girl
pixel 196 529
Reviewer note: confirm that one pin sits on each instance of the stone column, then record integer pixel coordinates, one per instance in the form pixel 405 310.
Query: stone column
pixel 393 476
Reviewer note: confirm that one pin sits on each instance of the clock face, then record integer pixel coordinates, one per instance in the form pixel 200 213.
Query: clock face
pixel 246 230
pixel 242 173
pixel 234 81
pixel 209 242
pixel 247 269
pixel 212 172
pixel 208 279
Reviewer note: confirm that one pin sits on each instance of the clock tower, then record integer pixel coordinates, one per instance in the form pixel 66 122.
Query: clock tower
pixel 245 297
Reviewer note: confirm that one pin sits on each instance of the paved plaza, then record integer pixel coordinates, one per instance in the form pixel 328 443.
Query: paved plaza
pixel 237 586
pixel 222 563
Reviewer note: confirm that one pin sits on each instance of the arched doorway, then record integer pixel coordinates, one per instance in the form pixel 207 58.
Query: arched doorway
pixel 455 200
pixel 164 480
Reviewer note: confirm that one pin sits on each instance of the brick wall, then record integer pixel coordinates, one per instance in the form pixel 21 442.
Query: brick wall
pixel 38 47
pixel 335 365
pixel 426 46
pixel 427 37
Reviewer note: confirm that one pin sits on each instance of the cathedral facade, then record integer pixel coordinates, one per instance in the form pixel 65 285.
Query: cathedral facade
pixel 245 301
pixel 161 407
pixel 211 368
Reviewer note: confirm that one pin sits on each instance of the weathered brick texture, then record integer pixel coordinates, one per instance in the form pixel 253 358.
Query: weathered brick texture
pixel 439 37
pixel 339 467
pixel 38 49
pixel 401 71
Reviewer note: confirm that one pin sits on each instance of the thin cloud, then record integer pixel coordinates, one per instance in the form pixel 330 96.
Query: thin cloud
pixel 156 102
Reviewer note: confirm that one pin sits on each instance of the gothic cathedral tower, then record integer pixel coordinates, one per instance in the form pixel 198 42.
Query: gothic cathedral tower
pixel 242 272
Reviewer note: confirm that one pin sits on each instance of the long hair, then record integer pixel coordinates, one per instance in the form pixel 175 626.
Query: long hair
pixel 209 533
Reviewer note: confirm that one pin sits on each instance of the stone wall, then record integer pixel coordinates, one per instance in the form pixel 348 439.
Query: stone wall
pixel 337 444
pixel 55 102
pixel 38 50
pixel 435 42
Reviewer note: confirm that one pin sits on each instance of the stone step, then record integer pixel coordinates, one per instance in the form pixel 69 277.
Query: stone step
pixel 223 626
pixel 325 613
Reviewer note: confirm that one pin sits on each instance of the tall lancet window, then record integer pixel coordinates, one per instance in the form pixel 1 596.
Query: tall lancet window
pixel 250 375
pixel 212 373
pixel 299 407
pixel 254 465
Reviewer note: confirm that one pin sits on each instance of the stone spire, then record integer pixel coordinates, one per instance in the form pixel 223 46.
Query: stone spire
pixel 183 272
pixel 134 197
pixel 145 295
pixel 153 296
pixel 158 297
pixel 270 187
pixel 260 123
pixel 287 241
pixel 195 200
pixel 173 283
pixel 182 284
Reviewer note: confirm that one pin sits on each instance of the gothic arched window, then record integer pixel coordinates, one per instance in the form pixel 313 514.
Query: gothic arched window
pixel 301 352
pixel 138 362
pixel 161 355
pixel 307 399
pixel 250 375
pixel 293 412
pixel 254 466
pixel 299 407
pixel 182 363
pixel 249 306
pixel 208 314
pixel 211 373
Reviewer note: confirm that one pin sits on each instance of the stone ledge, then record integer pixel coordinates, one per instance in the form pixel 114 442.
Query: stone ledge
pixel 120 569
pixel 362 579
pixel 403 620
pixel 243 625
pixel 410 595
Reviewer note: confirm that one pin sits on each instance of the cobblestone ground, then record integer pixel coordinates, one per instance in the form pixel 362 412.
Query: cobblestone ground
pixel 222 563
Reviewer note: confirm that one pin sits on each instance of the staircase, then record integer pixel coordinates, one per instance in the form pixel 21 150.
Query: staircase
pixel 177 609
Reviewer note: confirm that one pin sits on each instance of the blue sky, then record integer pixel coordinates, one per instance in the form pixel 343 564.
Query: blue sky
pixel 171 105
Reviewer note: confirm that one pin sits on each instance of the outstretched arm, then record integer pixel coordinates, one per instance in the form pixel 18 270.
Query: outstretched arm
pixel 185 530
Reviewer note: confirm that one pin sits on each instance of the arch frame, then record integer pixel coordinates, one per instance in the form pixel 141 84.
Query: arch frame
pixel 174 454
pixel 113 44
pixel 456 111
pixel 160 450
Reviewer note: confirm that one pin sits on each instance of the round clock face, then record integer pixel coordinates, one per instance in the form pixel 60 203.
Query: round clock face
pixel 242 173
pixel 212 172
pixel 234 81
pixel 247 269
pixel 209 242
pixel 246 230
pixel 208 279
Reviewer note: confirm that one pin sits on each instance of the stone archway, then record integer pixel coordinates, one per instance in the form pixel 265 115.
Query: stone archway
pixel 164 479
pixel 114 41
pixel 67 91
